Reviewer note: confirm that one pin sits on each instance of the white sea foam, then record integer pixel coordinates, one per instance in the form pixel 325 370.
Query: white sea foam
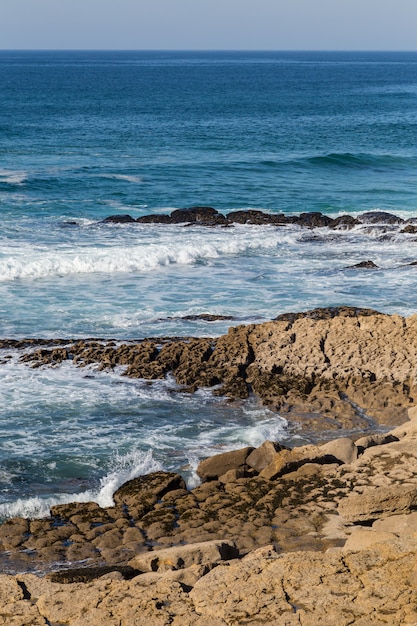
pixel 13 177
pixel 129 256
pixel 124 468
pixel 129 178
pixel 121 250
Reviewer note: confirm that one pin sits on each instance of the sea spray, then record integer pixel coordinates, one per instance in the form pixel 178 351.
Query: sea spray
pixel 122 469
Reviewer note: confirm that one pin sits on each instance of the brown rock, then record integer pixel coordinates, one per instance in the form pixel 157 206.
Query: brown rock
pixel 339 367
pixel 341 450
pixel 218 465
pixel 402 525
pixel 375 503
pixel 140 494
pixel 287 461
pixel 364 538
pixel 181 557
pixel 262 456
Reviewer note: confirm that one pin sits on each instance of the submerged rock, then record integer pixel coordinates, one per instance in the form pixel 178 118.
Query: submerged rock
pixel 363 265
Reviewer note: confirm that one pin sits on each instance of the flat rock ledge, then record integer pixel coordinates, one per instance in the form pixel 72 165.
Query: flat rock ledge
pixel 313 535
pixel 326 369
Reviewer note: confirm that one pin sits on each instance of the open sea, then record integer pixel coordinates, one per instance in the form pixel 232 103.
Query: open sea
pixel 85 135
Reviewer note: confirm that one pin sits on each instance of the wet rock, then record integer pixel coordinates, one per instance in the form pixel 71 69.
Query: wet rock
pixel 316 367
pixel 326 313
pixel 118 219
pixel 140 494
pixel 13 533
pixel 79 512
pixel 314 219
pixel 410 229
pixel 363 265
pixel 380 217
pixel 198 214
pixel 252 216
pixel 154 218
pixel 344 222
pixel 208 317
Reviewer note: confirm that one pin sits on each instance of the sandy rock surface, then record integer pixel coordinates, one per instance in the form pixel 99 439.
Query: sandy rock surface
pixel 373 586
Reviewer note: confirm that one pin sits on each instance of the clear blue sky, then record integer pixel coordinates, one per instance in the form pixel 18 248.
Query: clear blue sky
pixel 209 24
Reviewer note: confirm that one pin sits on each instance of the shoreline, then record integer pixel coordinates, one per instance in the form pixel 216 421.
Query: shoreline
pixel 327 521
pixel 259 513
pixel 325 369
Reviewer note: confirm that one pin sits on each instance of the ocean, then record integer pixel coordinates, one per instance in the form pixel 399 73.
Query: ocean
pixel 85 135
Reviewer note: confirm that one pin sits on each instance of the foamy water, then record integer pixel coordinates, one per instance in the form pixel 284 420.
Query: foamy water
pixel 78 434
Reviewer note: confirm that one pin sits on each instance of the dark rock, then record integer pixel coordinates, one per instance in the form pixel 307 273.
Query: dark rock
pixel 344 222
pixel 379 217
pixel 87 574
pixel 313 220
pixel 365 265
pixel 118 219
pixel 140 494
pixel 197 214
pixel 253 216
pixel 410 229
pixel 89 512
pixel 154 218
pixel 326 313
pixel 208 317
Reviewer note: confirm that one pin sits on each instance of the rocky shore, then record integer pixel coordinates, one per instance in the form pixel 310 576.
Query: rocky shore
pixel 313 535
pixel 317 534
pixel 327 369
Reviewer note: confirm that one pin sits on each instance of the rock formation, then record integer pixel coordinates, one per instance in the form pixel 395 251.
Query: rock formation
pixel 334 542
pixel 326 369
pixel 319 534
pixel 208 216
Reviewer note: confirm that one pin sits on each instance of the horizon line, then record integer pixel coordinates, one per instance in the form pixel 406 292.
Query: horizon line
pixel 359 50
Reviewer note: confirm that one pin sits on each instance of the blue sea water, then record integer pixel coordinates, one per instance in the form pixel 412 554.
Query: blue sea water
pixel 84 135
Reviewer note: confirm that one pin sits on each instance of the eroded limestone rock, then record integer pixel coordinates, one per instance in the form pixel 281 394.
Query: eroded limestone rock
pixel 326 369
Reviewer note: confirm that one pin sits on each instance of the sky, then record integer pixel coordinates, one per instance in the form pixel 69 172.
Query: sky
pixel 209 24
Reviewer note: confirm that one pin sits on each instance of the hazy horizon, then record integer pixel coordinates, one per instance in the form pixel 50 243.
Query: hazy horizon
pixel 218 25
